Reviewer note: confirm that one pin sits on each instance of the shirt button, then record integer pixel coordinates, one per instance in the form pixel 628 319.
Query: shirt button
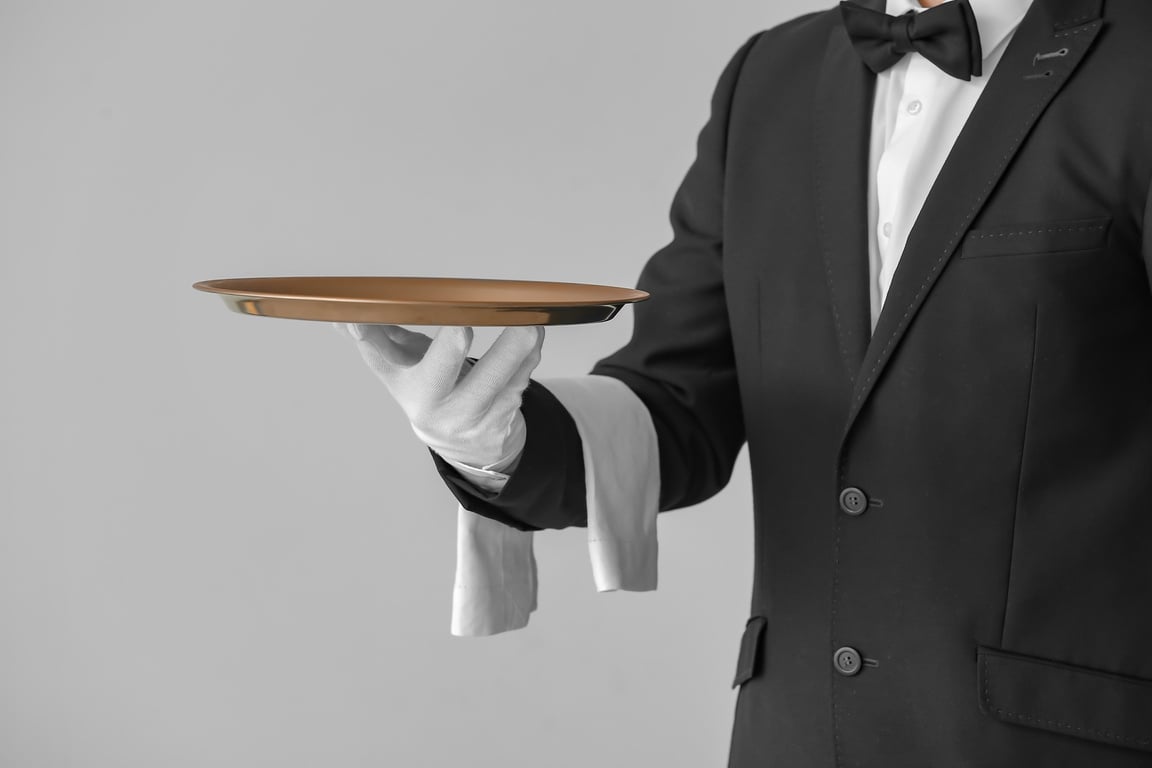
pixel 853 501
pixel 846 660
pixel 887 229
pixel 914 107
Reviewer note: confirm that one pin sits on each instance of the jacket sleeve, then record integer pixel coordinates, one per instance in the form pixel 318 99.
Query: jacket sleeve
pixel 679 363
pixel 1147 243
pixel 546 489
pixel 680 359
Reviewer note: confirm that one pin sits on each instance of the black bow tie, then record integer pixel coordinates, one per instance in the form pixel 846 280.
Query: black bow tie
pixel 946 35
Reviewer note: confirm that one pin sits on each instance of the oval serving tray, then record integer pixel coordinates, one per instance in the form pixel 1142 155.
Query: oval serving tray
pixel 422 300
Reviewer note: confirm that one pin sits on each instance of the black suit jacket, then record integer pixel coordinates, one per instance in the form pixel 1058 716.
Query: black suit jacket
pixel 964 497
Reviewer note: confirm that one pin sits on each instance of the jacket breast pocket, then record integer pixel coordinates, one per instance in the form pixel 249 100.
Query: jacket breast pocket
pixel 1061 697
pixel 1064 236
pixel 750 650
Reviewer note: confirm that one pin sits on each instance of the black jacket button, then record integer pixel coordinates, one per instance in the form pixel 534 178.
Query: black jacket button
pixel 846 660
pixel 853 501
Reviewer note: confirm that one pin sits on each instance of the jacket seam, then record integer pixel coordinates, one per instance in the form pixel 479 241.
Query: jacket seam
pixel 980 235
pixel 1056 724
pixel 1020 472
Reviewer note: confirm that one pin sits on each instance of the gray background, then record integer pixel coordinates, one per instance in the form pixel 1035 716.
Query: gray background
pixel 220 543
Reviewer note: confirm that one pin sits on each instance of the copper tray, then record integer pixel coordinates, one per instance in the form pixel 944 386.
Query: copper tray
pixel 422 300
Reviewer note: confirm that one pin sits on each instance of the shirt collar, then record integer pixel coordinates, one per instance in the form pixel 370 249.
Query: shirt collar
pixel 994 18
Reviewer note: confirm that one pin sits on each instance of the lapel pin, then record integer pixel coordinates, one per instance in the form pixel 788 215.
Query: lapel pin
pixel 1049 55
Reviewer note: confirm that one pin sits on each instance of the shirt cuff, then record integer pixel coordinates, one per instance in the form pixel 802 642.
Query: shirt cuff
pixel 492 480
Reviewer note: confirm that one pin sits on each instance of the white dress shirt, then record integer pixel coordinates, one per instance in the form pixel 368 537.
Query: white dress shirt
pixel 917 113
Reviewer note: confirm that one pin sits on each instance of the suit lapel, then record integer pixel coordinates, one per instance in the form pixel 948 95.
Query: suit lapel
pixel 1012 100
pixel 843 125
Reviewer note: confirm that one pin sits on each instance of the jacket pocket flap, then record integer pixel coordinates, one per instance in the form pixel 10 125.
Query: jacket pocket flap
pixel 1064 698
pixel 749 649
pixel 1041 237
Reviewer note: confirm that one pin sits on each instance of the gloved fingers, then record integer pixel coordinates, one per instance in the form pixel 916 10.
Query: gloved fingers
pixel 465 368
pixel 350 330
pixel 439 369
pixel 407 338
pixel 414 343
pixel 519 380
pixel 382 351
pixel 507 363
pixel 507 404
pixel 510 396
pixel 511 429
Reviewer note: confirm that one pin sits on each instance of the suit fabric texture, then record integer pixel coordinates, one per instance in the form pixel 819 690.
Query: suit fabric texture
pixel 963 497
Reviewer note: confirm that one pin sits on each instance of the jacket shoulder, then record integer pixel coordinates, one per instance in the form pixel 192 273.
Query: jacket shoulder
pixel 797 38
pixel 808 27
pixel 790 47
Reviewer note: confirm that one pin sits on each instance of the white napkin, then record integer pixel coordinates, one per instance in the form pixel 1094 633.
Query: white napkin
pixel 496 587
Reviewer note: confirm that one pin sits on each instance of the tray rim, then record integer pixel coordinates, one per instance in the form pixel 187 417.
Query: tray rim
pixel 212 286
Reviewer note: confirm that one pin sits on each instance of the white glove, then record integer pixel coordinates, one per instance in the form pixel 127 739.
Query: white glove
pixel 467 412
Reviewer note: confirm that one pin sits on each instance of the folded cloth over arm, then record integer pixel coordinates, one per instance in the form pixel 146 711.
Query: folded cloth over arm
pixel 496 576
pixel 679 366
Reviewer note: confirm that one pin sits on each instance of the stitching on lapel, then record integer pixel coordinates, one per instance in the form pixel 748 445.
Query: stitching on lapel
pixel 898 331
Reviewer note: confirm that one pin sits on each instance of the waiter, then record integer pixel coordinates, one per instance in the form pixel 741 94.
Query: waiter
pixel 910 268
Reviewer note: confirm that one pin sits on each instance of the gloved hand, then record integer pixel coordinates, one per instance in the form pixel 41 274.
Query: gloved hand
pixel 466 412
